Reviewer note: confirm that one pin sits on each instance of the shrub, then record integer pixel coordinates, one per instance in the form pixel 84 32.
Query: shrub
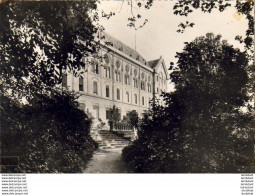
pixel 50 134
pixel 131 118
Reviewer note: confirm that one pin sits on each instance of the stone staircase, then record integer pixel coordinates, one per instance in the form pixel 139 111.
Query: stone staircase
pixel 108 140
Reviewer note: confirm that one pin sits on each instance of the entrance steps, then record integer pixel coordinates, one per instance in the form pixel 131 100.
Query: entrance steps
pixel 107 140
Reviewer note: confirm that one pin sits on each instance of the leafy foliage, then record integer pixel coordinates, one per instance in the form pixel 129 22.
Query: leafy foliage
pixel 131 118
pixel 202 128
pixel 50 135
pixel 40 40
pixel 114 115
pixel 184 8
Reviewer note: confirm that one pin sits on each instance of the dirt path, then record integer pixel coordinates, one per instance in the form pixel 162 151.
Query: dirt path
pixel 107 159
pixel 106 162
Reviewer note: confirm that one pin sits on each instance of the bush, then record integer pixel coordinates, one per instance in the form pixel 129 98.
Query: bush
pixel 158 147
pixel 49 135
pixel 131 118
pixel 169 143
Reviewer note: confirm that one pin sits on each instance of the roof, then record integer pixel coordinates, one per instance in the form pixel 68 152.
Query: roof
pixel 105 37
pixel 154 63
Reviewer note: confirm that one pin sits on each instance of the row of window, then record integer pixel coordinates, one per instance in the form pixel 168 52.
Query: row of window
pixel 107 70
pixel 160 80
pixel 95 87
pixel 107 91
pixel 95 69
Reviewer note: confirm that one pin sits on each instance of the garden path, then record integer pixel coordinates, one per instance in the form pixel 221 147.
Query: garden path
pixel 107 159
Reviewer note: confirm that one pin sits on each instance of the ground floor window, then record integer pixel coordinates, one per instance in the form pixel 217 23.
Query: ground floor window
pixel 108 114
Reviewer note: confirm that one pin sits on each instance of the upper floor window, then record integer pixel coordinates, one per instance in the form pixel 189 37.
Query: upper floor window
pixel 117 64
pixel 117 76
pixel 135 72
pixel 149 87
pixel 95 67
pixel 127 93
pixel 127 80
pixel 157 78
pixel 107 91
pixel 149 79
pixel 157 89
pixel 118 94
pixel 135 82
pixel 142 85
pixel 161 78
pixel 135 98
pixel 106 59
pixel 64 80
pixel 95 88
pixel 127 68
pixel 143 101
pixel 107 72
pixel 81 85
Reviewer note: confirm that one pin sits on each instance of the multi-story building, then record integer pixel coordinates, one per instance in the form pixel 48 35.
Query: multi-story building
pixel 123 78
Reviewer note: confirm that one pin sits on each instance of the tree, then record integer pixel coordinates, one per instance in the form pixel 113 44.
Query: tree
pixel 202 128
pixel 132 118
pixel 214 77
pixel 114 115
pixel 41 40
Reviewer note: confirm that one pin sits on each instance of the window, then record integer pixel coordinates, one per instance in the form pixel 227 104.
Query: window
pixel 95 87
pixel 127 81
pixel 108 114
pixel 135 83
pixel 118 94
pixel 157 89
pixel 149 87
pixel 106 59
pixel 64 80
pixel 143 101
pixel 107 72
pixel 117 76
pixel 95 68
pixel 127 93
pixel 157 78
pixel 117 64
pixel 135 98
pixel 107 91
pixel 81 88
pixel 142 85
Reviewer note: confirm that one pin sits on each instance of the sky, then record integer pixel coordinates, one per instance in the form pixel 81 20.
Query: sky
pixel 159 37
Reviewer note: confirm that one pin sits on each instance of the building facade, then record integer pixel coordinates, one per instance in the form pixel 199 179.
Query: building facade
pixel 122 77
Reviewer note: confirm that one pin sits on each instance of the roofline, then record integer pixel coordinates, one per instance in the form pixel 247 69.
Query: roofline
pixel 127 57
pixel 161 60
